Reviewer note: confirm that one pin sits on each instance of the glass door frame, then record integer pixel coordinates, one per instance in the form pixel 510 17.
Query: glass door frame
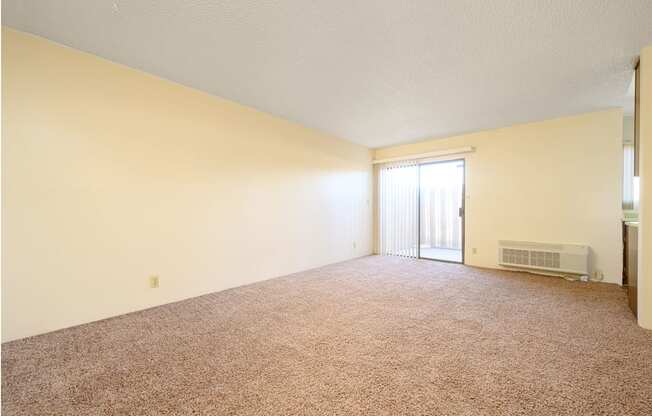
pixel 463 209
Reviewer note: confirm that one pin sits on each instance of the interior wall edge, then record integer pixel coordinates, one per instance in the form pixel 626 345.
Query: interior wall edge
pixel 644 291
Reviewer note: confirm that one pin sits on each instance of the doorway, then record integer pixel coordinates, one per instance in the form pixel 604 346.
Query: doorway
pixel 441 211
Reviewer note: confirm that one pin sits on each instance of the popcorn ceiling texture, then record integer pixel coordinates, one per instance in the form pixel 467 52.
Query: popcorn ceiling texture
pixel 372 336
pixel 377 72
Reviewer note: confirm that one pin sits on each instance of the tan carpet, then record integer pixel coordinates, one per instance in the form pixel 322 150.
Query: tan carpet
pixel 373 336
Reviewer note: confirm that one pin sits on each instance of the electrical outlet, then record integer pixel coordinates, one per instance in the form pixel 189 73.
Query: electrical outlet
pixel 153 282
pixel 598 275
pixel 474 250
pixel 355 244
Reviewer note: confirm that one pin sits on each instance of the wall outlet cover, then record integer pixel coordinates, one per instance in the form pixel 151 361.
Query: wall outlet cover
pixel 153 282
pixel 598 275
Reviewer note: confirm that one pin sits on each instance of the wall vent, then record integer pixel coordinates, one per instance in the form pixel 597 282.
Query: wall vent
pixel 563 258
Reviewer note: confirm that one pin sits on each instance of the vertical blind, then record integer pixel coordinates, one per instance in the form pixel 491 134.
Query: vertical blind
pixel 398 208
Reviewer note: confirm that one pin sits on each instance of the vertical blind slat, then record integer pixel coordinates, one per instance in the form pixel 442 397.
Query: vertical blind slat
pixel 398 204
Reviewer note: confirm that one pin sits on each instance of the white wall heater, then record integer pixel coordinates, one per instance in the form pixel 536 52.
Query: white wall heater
pixel 561 258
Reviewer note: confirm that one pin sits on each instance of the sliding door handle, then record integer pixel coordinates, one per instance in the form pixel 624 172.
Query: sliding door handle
pixel 461 212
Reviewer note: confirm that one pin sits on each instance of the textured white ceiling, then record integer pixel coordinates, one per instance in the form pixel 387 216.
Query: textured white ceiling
pixel 376 72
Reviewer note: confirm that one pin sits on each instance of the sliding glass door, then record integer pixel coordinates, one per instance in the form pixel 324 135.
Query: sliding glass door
pixel 441 211
pixel 421 210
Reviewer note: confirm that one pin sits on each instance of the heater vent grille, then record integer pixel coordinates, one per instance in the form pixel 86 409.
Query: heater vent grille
pixel 567 258
pixel 545 259
pixel 516 256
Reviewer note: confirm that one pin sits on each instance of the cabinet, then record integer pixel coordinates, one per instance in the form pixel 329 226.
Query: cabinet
pixel 630 264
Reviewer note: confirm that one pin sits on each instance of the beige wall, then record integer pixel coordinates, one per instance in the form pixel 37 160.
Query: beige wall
pixel 112 175
pixel 645 210
pixel 553 181
pixel 628 129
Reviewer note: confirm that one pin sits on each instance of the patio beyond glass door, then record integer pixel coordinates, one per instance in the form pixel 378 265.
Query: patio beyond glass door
pixel 441 211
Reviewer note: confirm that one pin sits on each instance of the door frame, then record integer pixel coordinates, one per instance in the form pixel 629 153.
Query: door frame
pixel 463 207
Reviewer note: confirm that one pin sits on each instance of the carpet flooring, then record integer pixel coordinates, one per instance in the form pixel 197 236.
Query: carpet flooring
pixel 371 336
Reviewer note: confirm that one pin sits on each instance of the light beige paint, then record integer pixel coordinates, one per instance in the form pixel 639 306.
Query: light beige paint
pixel 645 207
pixel 112 175
pixel 553 181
